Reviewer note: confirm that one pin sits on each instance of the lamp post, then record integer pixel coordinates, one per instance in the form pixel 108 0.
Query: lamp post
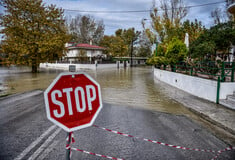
pixel 132 53
pixel 156 48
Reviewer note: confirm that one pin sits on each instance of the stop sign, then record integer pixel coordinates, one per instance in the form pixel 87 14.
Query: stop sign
pixel 73 101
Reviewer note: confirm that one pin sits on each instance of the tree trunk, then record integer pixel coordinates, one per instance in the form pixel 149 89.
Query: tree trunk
pixel 34 66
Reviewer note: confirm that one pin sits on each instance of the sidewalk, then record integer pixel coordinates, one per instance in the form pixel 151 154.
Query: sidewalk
pixel 215 113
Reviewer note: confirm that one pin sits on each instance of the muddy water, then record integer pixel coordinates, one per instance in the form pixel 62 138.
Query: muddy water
pixel 133 87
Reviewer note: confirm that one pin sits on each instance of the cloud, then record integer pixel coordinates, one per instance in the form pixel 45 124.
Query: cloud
pixel 113 21
pixel 202 13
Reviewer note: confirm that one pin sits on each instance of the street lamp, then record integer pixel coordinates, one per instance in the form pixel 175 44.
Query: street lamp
pixel 156 47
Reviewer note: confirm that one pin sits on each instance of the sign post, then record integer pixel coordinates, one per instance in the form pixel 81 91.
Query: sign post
pixel 68 141
pixel 73 101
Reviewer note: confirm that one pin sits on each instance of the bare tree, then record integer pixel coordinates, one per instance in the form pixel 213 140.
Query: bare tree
pixel 221 14
pixel 166 24
pixel 174 10
pixel 85 28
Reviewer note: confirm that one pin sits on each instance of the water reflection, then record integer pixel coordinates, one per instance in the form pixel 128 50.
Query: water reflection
pixel 133 87
pixel 136 87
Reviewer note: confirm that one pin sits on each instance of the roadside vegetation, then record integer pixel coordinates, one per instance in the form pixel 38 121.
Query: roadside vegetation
pixel 35 33
pixel 210 47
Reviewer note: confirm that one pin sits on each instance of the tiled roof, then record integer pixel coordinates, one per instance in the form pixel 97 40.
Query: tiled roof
pixel 86 46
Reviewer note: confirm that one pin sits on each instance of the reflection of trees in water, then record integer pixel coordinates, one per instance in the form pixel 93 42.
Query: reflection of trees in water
pixel 22 80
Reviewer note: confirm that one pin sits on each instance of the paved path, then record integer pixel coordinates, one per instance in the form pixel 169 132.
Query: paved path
pixel 215 113
pixel 27 134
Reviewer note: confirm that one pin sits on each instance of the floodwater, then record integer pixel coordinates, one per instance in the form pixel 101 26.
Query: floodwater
pixel 134 87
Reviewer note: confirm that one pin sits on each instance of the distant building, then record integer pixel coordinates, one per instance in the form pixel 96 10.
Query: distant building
pixel 83 53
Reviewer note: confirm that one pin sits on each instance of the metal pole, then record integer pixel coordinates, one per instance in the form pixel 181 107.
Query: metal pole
pixel 218 90
pixel 222 74
pixel 232 74
pixel 68 150
pixel 69 134
pixel 132 53
pixel 156 48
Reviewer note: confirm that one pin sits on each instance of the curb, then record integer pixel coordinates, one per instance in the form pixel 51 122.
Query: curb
pixel 22 94
pixel 214 122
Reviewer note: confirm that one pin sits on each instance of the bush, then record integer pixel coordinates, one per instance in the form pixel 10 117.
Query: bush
pixel 176 51
pixel 161 49
pixel 157 60
pixel 201 50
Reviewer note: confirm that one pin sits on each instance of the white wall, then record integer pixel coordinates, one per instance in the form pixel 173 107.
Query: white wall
pixel 64 66
pixel 89 53
pixel 203 88
pixel 226 89
pixel 94 53
pixel 72 53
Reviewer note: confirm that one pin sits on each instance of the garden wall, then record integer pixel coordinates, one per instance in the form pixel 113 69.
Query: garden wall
pixel 65 66
pixel 203 88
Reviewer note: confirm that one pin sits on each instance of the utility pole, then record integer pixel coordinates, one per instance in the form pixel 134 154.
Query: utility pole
pixel 156 48
pixel 132 52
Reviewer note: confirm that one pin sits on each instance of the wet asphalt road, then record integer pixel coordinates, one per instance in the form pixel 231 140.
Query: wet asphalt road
pixel 27 134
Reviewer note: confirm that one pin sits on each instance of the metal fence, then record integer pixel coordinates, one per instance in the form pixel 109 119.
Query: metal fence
pixel 209 69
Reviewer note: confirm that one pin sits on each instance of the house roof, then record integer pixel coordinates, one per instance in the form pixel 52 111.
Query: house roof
pixel 86 46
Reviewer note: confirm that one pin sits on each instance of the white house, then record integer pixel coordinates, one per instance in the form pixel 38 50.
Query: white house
pixel 83 52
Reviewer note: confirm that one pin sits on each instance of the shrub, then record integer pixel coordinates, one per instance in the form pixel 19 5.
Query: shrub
pixel 157 60
pixel 176 51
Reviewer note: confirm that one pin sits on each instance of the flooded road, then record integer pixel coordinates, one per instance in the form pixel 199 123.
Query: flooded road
pixel 133 87
pixel 158 116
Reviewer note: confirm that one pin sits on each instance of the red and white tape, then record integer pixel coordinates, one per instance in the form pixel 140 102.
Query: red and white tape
pixel 70 139
pixel 68 146
pixel 219 152
pixel 95 154
pixel 71 136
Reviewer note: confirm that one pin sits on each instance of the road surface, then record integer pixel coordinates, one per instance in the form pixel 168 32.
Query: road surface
pixel 27 134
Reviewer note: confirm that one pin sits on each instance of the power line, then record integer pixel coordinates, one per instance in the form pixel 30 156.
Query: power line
pixel 206 4
pixel 134 11
pixel 139 11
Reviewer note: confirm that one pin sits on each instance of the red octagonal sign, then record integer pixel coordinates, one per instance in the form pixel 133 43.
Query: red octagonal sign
pixel 73 101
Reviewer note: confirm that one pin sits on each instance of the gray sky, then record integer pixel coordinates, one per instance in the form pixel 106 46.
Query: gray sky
pixel 114 21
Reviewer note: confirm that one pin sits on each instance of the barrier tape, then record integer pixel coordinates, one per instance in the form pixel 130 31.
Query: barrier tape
pixel 223 150
pixel 95 154
pixel 68 146
pixel 69 142
pixel 219 152
pixel 71 135
pixel 72 140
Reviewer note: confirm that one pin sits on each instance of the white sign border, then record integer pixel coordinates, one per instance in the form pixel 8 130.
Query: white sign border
pixel 47 102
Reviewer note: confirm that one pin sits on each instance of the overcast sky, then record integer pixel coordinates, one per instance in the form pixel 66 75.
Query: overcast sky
pixel 114 21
